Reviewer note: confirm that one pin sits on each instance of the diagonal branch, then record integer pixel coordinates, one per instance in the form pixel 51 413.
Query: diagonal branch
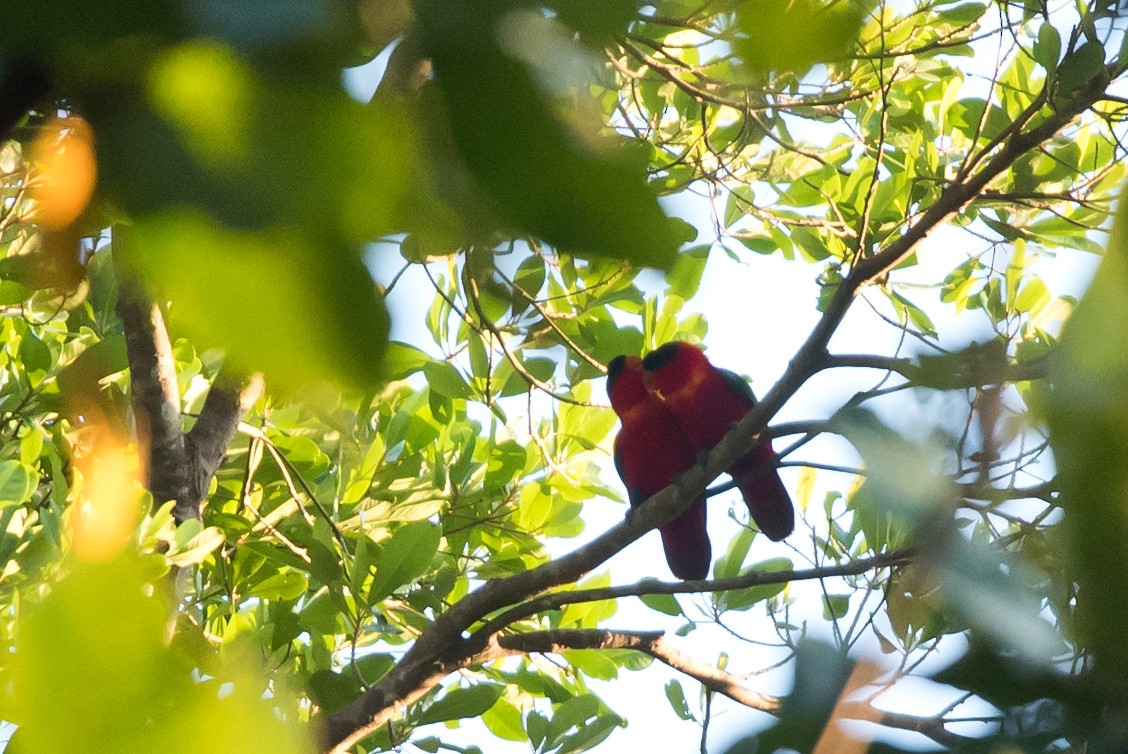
pixel 227 402
pixel 153 385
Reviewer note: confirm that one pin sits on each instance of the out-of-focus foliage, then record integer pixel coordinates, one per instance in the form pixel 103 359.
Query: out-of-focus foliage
pixel 514 154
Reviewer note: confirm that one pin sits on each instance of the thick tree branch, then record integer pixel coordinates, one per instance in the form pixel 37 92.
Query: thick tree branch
pixel 226 404
pixel 179 466
pixel 153 386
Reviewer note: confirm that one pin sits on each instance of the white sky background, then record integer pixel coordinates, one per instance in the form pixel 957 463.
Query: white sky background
pixel 759 312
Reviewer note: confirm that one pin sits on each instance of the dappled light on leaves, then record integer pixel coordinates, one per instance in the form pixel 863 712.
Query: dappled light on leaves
pixel 66 171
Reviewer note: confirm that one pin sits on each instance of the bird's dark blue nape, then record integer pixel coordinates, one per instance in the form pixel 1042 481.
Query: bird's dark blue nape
pixel 614 369
pixel 660 356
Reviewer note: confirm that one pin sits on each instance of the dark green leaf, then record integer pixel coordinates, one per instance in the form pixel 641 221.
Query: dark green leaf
pixel 1089 437
pixel 584 202
pixel 462 703
pixel 835 606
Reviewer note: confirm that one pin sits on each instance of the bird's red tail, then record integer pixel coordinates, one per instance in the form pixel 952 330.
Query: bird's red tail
pixel 763 491
pixel 686 543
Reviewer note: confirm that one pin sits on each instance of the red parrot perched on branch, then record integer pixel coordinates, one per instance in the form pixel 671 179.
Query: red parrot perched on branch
pixel 650 450
pixel 707 401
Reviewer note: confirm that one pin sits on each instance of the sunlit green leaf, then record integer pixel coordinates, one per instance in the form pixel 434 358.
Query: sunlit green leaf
pixel 403 557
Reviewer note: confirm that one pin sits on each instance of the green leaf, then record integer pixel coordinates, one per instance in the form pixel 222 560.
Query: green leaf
pixel 17 482
pixel 285 585
pixel 574 713
pixel 1033 296
pixel 405 556
pixel 503 719
pixel 536 725
pixel 1086 412
pixel 1047 47
pixel 685 277
pixel 742 599
pixel 592 663
pixel 793 35
pixel 402 360
pixel 835 606
pixel 676 697
pixel 591 735
pixel 462 703
pixel 730 564
pixel 134 671
pixel 196 548
pixel 1078 68
pixel 663 603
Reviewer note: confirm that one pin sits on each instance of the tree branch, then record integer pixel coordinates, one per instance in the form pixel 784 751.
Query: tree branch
pixel 971 372
pixel 153 386
pixel 647 642
pixel 558 600
pixel 179 466
pixel 930 727
pixel 207 442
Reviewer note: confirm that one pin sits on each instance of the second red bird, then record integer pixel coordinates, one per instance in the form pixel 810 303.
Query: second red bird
pixel 707 401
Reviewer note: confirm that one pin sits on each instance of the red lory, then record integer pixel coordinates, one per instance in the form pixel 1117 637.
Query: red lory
pixel 707 401
pixel 650 450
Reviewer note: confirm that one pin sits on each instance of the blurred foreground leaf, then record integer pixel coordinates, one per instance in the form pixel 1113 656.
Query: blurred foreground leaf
pixel 792 35
pixel 1087 411
pixel 297 308
pixel 92 674
pixel 537 177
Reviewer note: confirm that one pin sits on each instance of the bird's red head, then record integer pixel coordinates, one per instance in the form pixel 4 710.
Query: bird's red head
pixel 625 387
pixel 674 368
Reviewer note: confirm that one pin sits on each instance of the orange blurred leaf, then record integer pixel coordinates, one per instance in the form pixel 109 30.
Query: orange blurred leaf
pixel 67 170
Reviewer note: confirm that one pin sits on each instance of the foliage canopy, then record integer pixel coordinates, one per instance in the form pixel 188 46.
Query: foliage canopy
pixel 379 541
